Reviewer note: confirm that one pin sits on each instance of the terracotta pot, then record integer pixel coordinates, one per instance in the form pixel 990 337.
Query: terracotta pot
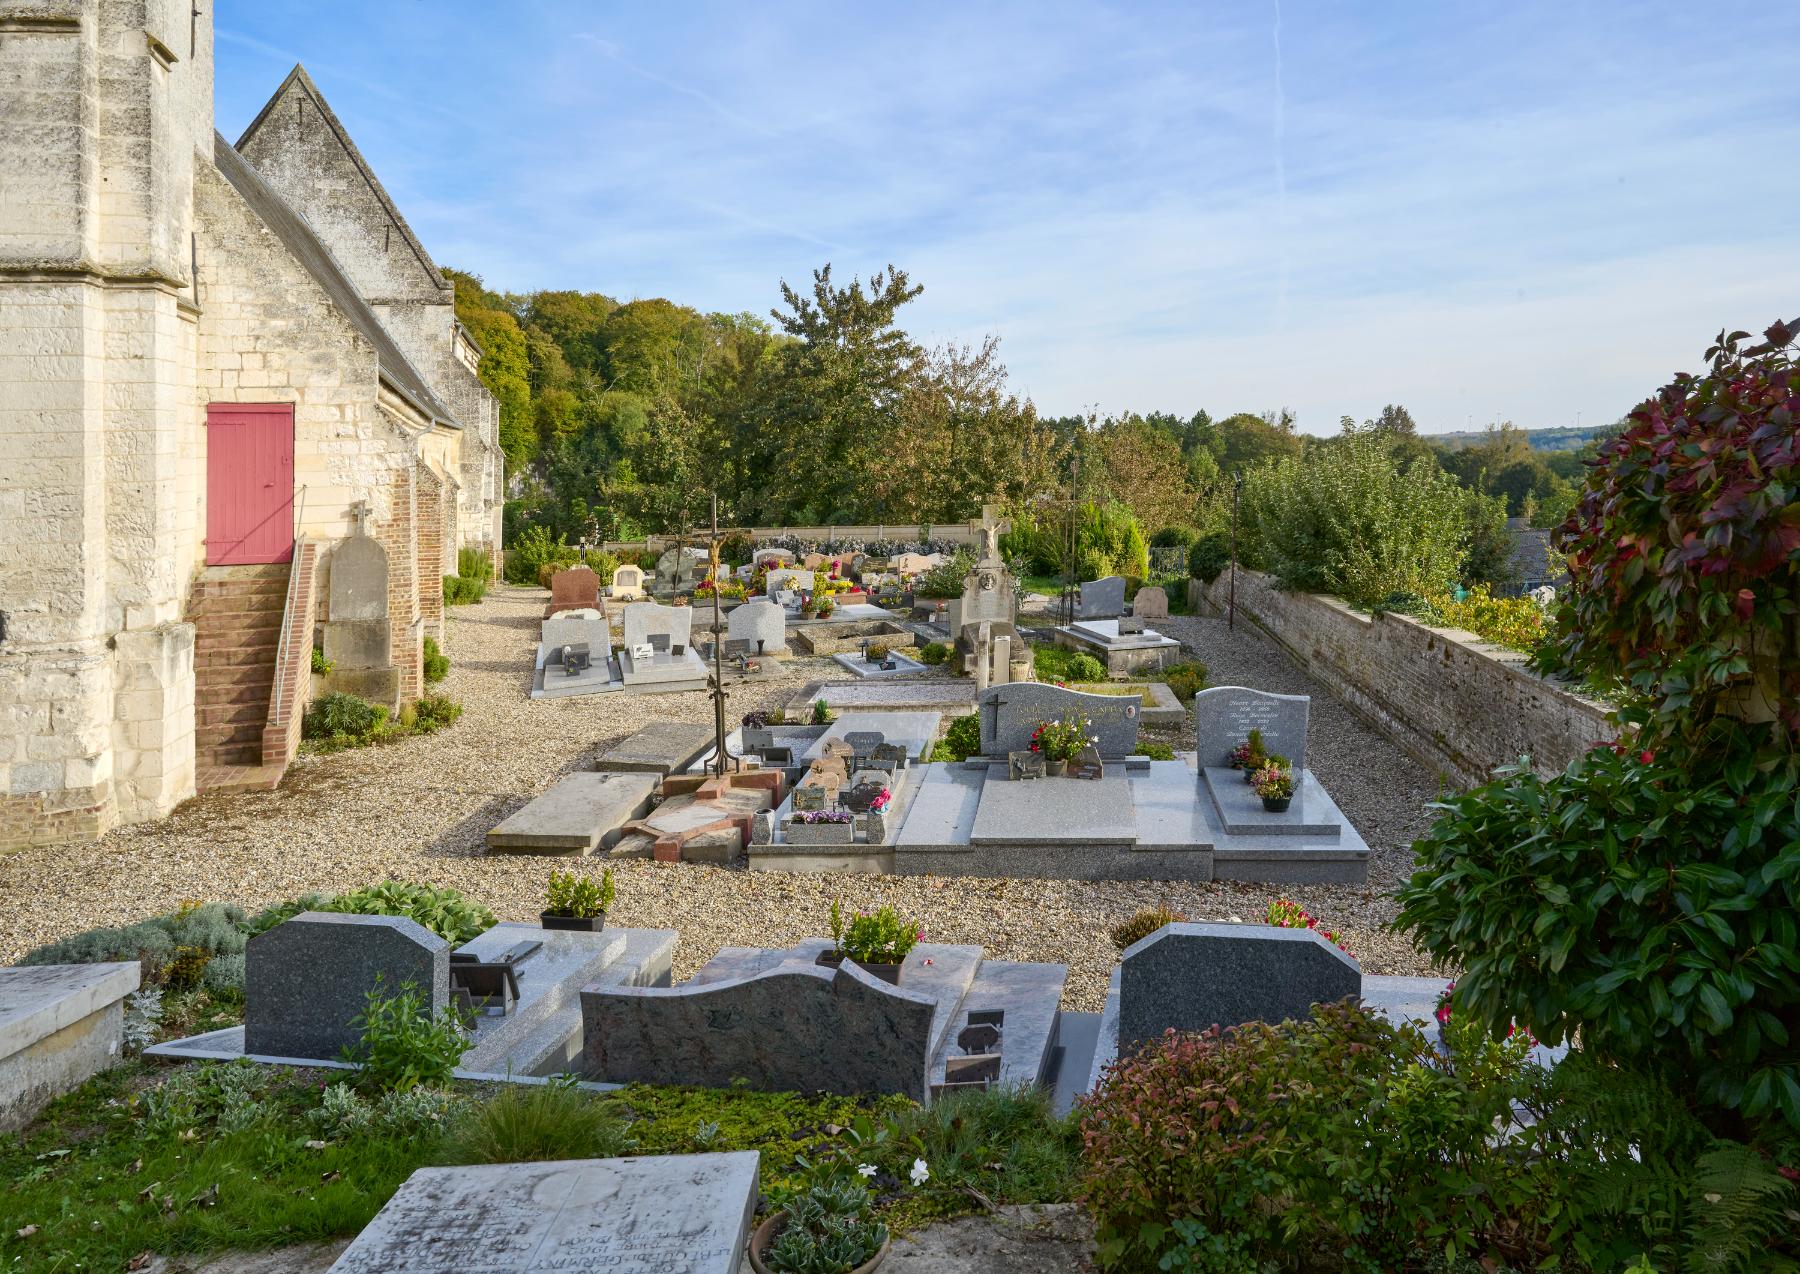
pixel 1277 804
pixel 1055 769
pixel 770 1230
pixel 579 924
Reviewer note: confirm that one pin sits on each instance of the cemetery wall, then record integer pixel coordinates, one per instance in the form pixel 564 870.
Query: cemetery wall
pixel 1458 703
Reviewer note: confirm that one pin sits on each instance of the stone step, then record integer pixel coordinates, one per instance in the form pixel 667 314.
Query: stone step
pixel 247 624
pixel 232 714
pixel 255 688
pixel 219 659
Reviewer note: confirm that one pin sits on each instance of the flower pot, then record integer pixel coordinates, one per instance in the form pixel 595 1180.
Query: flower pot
pixel 770 1230
pixel 1249 774
pixel 796 833
pixel 1054 768
pixel 578 924
pixel 889 973
pixel 1277 804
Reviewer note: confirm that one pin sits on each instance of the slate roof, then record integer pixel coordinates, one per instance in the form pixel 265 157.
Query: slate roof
pixel 305 247
pixel 1530 553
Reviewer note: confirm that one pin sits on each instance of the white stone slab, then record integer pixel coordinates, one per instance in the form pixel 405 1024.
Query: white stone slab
pixel 1060 811
pixel 40 1000
pixel 916 731
pixel 667 1214
pixel 580 813
pixel 1311 815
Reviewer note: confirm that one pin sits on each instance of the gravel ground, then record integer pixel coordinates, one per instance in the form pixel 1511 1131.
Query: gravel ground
pixel 418 809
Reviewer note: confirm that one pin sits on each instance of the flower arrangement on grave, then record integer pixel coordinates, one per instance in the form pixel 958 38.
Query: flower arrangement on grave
pixel 882 799
pixel 1248 755
pixel 875 652
pixel 808 606
pixel 876 937
pixel 825 607
pixel 812 817
pixel 759 580
pixel 1063 739
pixel 1275 784
pixel 1291 915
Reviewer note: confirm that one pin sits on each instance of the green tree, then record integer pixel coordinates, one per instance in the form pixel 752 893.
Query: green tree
pixel 505 367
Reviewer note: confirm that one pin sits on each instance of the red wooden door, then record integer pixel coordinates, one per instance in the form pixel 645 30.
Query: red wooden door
pixel 249 483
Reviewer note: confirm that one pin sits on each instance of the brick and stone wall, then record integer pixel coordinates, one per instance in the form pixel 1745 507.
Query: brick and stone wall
pixel 1459 704
pixel 431 507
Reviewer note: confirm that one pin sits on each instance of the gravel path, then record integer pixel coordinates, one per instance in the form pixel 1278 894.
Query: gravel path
pixel 419 809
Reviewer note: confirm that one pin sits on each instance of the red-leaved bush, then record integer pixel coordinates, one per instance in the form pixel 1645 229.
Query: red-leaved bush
pixel 1684 548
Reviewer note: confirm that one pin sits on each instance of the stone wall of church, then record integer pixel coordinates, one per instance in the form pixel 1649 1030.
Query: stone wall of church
pixel 106 103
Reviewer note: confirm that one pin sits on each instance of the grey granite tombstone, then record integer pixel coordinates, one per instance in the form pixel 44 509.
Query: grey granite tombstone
pixel 1102 598
pixel 1225 715
pixel 645 621
pixel 864 742
pixel 1010 714
pixel 762 623
pixel 808 797
pixel 657 1214
pixel 308 978
pixel 1151 602
pixel 1188 977
pixel 573 628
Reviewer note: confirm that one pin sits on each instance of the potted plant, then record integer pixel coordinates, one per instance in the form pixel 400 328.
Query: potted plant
pixel 826 607
pixel 829 1228
pixel 821 827
pixel 1275 784
pixel 821 712
pixel 877 940
pixel 577 902
pixel 874 653
pixel 1061 741
pixel 756 731
pixel 1247 756
pixel 808 607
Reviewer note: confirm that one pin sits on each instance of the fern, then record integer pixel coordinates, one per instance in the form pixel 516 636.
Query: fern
pixel 1742 1209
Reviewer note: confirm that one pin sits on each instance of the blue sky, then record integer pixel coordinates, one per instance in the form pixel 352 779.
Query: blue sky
pixel 1514 211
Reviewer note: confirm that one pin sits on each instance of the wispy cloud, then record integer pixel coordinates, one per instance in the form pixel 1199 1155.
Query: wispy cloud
pixel 1518 211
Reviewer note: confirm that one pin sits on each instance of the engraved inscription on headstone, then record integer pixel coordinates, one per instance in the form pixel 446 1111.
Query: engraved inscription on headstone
pixel 1225 715
pixel 1010 714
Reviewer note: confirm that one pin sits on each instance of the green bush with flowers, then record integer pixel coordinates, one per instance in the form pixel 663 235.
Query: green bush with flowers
pixel 1648 897
pixel 1064 738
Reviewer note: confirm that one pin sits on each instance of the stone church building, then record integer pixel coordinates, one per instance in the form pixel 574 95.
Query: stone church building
pixel 238 418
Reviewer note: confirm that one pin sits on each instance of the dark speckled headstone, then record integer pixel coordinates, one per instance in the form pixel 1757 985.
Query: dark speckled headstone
pixel 1192 976
pixel 1010 714
pixel 307 979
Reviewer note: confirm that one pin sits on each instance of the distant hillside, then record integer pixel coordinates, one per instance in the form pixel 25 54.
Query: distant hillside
pixel 1557 438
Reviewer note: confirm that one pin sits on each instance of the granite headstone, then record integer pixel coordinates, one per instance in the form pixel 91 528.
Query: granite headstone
pixel 575 588
pixel 307 979
pixel 1010 714
pixel 1192 976
pixel 1225 715
pixel 762 623
pixel 647 620
pixel 628 583
pixel 1102 598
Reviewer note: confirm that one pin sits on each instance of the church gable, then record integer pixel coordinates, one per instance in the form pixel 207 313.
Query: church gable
pixel 300 148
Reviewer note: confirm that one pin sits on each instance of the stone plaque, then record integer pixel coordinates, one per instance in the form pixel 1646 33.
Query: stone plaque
pixel 890 756
pixel 1025 765
pixel 736 648
pixel 1151 602
pixel 1225 715
pixel 1130 626
pixel 646 621
pixel 1192 976
pixel 1101 598
pixel 1011 713
pixel 1088 765
pixel 659 1214
pixel 864 742
pixel 809 797
pixel 308 978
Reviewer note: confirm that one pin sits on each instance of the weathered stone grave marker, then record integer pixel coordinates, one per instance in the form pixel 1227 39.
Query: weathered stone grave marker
pixel 307 979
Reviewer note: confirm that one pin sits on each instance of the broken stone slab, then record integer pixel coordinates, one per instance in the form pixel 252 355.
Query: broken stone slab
pixel 59 1025
pixel 660 1213
pixel 662 747
pixel 583 812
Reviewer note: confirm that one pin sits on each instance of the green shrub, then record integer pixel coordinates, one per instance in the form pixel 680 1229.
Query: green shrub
pixel 530 551
pixel 933 653
pixel 342 716
pixel 582 897
pixel 878 937
pixel 821 712
pixel 1085 668
pixel 474 563
pixel 1210 556
pixel 736 548
pixel 320 665
pixel 535 1123
pixel 403 1046
pixel 443 911
pixel 177 947
pixel 1185 680
pixel 269 917
pixel 1006 1143
pixel 961 740
pixel 945 580
pixel 433 712
pixel 1143 924
pixel 460 590
pixel 436 662
pixel 1174 537
pixel 1156 751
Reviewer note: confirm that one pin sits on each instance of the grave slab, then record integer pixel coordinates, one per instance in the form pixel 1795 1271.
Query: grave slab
pixel 1311 815
pixel 857 666
pixel 915 731
pixel 661 1214
pixel 581 813
pixel 308 978
pixel 1056 811
pixel 59 1025
pixel 662 747
pixel 1193 976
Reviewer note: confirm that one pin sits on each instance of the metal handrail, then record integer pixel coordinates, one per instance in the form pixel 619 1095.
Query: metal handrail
pixel 287 610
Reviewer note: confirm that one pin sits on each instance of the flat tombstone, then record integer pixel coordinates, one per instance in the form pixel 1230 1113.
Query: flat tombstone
pixel 1225 715
pixel 1151 602
pixel 1193 976
pixel 307 979
pixel 644 620
pixel 761 623
pixel 1102 598
pixel 658 1213
pixel 1010 714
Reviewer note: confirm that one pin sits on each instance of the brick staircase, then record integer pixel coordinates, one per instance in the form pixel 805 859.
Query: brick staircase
pixel 236 612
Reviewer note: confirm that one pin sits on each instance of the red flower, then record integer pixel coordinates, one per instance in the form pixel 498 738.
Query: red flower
pixel 1646 756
